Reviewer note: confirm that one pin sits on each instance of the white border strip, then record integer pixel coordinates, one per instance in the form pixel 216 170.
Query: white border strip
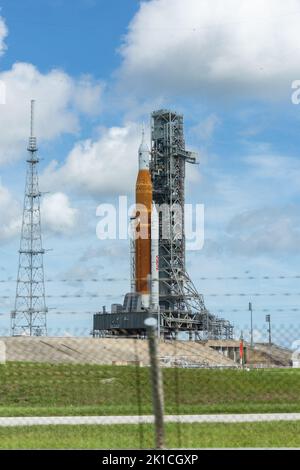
pixel 146 419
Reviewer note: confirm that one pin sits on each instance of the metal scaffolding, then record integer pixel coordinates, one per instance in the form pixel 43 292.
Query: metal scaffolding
pixel 29 314
pixel 182 308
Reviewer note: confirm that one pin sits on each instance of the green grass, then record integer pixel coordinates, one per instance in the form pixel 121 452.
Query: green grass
pixel 276 434
pixel 28 389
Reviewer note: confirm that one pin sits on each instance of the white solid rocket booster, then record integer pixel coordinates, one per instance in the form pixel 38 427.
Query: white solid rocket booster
pixel 132 253
pixel 154 259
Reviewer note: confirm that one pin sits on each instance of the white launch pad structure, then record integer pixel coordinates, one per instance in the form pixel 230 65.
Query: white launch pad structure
pixel 174 299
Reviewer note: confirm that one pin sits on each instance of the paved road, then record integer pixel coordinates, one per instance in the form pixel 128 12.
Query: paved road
pixel 104 420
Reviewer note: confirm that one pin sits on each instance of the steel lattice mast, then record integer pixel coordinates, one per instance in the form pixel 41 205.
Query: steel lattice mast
pixel 30 312
pixel 182 306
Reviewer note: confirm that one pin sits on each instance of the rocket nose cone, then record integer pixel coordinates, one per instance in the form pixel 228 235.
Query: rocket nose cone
pixel 143 147
pixel 143 160
pixel 144 155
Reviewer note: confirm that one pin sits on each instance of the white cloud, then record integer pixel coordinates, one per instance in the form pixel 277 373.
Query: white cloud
pixel 265 231
pixel 232 47
pixel 105 166
pixel 87 95
pixel 274 166
pixel 251 209
pixel 60 101
pixel 261 179
pixel 111 250
pixel 3 34
pixel 206 128
pixel 10 215
pixel 57 214
pixel 85 273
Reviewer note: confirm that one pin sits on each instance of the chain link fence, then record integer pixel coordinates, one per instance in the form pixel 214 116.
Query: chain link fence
pixel 83 392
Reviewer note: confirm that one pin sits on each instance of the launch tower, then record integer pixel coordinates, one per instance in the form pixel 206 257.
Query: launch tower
pixel 160 284
pixel 181 306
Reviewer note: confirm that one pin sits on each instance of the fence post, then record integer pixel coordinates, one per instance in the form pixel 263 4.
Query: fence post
pixel 157 383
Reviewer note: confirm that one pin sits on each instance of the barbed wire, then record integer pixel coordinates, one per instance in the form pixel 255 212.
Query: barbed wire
pixel 205 294
pixel 59 313
pixel 107 279
pixel 218 310
pixel 201 278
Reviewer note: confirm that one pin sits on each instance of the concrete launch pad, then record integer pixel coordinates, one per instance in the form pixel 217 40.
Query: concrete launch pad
pixel 110 351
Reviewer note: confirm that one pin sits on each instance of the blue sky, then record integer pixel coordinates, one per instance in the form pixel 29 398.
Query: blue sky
pixel 80 36
pixel 97 70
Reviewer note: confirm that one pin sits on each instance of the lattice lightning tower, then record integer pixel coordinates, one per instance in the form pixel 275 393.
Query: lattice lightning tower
pixel 30 312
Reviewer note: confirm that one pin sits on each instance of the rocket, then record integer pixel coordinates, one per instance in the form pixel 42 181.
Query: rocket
pixel 143 199
pixel 146 237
